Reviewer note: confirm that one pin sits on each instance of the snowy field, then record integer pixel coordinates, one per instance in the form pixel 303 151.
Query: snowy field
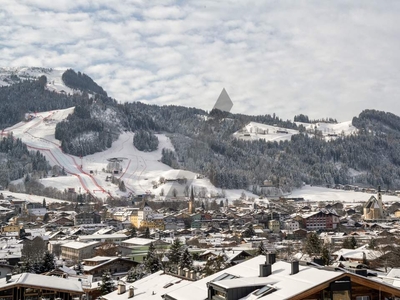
pixel 256 131
pixel 343 128
pixel 313 193
pixel 31 198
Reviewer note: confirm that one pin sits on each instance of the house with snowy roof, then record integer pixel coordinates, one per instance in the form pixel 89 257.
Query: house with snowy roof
pixel 264 278
pixel 35 286
pixel 117 266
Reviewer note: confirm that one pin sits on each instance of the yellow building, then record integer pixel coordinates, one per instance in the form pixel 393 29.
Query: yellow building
pixel 153 224
pixel 274 226
pixel 11 228
pixel 134 220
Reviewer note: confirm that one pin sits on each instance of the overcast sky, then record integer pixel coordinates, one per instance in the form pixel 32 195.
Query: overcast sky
pixel 320 58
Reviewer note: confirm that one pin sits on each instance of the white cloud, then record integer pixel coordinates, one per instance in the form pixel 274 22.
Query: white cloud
pixel 321 58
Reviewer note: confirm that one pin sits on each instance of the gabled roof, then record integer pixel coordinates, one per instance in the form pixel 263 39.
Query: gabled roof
pixel 308 281
pixel 153 286
pixel 41 281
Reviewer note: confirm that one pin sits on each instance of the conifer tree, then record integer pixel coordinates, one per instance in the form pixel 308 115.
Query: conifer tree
pixel 147 233
pixel 249 232
pixel 48 262
pixel 107 283
pixel 122 187
pixel 175 252
pixel 133 232
pixel 313 244
pixel 136 273
pixel 152 263
pixel 325 255
pixel 186 260
pixel 261 249
pixel 215 264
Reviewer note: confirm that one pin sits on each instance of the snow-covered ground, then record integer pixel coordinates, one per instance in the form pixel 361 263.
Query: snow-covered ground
pixel 255 131
pixel 139 170
pixel 343 128
pixel 31 198
pixel 54 80
pixel 313 193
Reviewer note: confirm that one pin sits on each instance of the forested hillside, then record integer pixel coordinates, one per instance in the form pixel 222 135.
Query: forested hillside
pixel 17 161
pixel 204 143
pixel 30 96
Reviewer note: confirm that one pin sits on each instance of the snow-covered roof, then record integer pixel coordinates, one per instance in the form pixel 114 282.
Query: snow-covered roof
pixel 151 287
pixel 79 245
pixel 286 285
pixel 47 282
pixel 102 237
pixel 359 253
pixel 138 241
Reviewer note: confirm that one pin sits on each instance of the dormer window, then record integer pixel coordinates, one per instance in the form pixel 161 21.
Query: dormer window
pixel 264 291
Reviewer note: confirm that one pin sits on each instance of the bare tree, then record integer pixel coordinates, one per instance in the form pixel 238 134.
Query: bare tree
pixel 33 250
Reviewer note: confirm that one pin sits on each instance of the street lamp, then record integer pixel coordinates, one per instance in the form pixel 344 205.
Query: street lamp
pixel 164 261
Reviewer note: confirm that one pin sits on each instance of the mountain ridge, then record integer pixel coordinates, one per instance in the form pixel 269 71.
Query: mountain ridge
pixel 204 143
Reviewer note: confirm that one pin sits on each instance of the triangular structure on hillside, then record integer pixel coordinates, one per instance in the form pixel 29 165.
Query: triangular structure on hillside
pixel 224 102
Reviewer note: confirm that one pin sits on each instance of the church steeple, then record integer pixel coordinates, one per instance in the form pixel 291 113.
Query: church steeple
pixel 191 201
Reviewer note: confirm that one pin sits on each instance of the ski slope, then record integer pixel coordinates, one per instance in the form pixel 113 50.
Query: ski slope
pixel 139 170
pixel 38 134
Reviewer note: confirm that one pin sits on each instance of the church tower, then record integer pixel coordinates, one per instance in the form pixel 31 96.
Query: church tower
pixel 380 196
pixel 191 201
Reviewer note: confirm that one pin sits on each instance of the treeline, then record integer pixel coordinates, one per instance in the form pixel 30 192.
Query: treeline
pixel 80 81
pixel 30 96
pixel 304 119
pixel 17 161
pixel 204 143
pixel 145 140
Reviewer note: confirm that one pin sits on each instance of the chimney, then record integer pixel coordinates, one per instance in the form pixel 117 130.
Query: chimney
pixel 121 288
pixel 270 258
pixel 192 275
pixel 295 267
pixel 265 270
pixel 131 293
pixel 8 277
pixel 186 272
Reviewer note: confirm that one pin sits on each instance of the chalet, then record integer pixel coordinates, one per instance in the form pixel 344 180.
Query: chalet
pixel 63 221
pixel 264 278
pixel 35 286
pixel 117 266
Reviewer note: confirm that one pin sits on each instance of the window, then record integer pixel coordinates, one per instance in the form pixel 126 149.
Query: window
pixel 223 277
pixel 341 295
pixel 264 291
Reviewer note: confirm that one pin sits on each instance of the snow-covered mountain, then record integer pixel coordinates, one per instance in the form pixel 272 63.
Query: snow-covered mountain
pixel 140 171
pixel 12 75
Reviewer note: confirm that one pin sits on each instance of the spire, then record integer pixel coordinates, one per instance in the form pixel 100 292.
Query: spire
pixel 191 201
pixel 191 193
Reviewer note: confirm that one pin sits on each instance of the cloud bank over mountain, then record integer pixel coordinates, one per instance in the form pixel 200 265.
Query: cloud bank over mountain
pixel 320 58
